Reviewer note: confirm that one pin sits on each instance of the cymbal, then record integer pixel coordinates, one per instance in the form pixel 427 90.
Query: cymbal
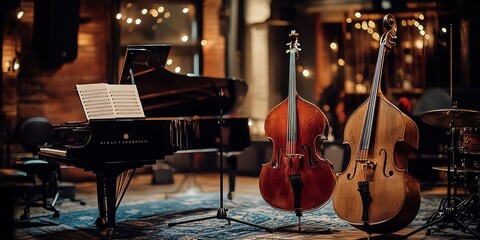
pixel 457 117
pixel 459 169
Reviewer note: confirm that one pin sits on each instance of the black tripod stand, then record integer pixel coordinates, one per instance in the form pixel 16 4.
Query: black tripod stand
pixel 451 206
pixel 221 212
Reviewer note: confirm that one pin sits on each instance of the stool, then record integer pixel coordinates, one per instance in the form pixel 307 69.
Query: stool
pixel 46 172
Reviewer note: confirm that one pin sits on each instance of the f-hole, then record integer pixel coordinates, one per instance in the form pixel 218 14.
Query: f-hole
pixel 279 157
pixel 390 173
pixel 311 161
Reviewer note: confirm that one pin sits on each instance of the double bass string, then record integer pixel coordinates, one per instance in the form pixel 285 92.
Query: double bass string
pixel 364 145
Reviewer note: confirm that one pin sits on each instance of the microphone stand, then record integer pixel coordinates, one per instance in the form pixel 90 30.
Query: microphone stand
pixel 221 212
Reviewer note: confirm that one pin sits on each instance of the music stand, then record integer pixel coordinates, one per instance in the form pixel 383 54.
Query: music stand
pixel 221 212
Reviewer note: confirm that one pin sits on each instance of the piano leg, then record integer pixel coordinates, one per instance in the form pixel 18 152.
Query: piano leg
pixel 102 210
pixel 111 188
pixel 106 195
pixel 232 172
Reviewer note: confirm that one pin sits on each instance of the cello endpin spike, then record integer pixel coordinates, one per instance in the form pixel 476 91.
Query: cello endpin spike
pixel 299 224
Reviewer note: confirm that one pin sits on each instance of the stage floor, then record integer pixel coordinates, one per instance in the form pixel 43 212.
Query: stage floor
pixel 141 189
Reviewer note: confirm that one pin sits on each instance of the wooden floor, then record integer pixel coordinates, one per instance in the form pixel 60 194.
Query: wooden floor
pixel 141 189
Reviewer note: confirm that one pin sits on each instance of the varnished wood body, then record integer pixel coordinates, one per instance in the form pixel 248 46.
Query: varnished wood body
pixel 395 194
pixel 318 181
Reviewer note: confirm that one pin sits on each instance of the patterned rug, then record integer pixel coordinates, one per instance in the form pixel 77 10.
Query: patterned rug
pixel 148 220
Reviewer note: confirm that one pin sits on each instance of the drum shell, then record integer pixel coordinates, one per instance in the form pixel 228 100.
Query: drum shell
pixel 469 141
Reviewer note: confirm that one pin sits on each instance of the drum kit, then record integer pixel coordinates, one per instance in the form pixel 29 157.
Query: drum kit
pixel 463 169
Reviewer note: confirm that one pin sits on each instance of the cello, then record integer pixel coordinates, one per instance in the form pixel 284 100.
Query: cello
pixel 296 178
pixel 375 193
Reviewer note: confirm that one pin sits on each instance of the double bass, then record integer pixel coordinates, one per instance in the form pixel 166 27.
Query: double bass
pixel 296 178
pixel 375 193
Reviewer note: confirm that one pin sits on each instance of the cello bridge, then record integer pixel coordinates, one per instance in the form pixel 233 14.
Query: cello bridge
pixel 294 156
pixel 295 160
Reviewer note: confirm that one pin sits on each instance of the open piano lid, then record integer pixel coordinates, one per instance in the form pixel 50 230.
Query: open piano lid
pixel 167 94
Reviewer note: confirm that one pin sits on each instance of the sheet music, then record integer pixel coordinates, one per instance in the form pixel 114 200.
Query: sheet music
pixel 104 101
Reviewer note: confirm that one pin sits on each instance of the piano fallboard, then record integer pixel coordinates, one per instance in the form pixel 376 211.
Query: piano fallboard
pixel 98 143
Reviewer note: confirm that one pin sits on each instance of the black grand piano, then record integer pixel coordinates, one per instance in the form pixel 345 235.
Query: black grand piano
pixel 182 115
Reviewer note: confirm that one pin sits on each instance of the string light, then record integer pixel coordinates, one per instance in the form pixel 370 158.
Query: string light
pixel 371 24
pixel 306 73
pixel 152 17
pixel 20 14
pixel 333 46
pixel 16 64
pixel 364 25
pixel 153 12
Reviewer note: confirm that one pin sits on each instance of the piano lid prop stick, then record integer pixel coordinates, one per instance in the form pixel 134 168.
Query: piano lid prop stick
pixel 131 76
